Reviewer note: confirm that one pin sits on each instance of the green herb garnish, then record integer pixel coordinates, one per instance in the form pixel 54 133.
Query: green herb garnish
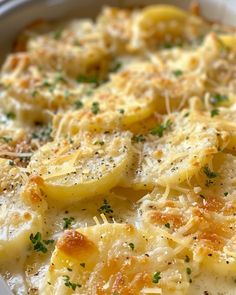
pixel 214 112
pixel 161 128
pixel 57 34
pixel 69 284
pixel 6 139
pixel 11 115
pixel 217 98
pixel 68 222
pixel 138 138
pixel 78 104
pixel 178 73
pixel 210 174
pixel 188 271
pixel 99 142
pixel 105 208
pixel 156 277
pixel 84 79
pixel 116 66
pixel 39 244
pixel 95 108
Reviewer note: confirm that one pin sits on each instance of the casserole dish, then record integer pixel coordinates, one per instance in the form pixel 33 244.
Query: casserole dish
pixel 15 15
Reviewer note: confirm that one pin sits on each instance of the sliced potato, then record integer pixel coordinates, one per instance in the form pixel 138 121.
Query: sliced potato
pixel 222 118
pixel 131 96
pixel 83 166
pixel 203 221
pixel 20 212
pixel 31 92
pixel 167 23
pixel 174 152
pixel 113 258
pixel 77 48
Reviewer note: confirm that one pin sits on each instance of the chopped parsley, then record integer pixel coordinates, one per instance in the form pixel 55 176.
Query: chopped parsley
pixel 39 244
pixel 178 73
pixel 59 78
pixel 116 66
pixel 121 111
pixel 226 194
pixel 78 104
pixel 34 93
pixel 99 142
pixel 188 271
pixel 69 284
pixel 159 130
pixel 105 208
pixel 6 139
pixel 217 98
pixel 82 264
pixel 131 245
pixel 210 174
pixel 57 34
pixel 138 138
pixel 95 108
pixel 156 277
pixel 89 92
pixel 84 79
pixel 214 112
pixel 11 163
pixel 46 83
pixel 10 115
pixel 68 222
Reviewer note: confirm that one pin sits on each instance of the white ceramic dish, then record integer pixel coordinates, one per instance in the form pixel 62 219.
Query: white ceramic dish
pixel 16 14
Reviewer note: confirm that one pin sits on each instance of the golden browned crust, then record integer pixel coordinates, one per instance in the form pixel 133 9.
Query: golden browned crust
pixel 75 244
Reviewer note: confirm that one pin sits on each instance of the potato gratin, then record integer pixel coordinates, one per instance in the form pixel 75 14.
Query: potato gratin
pixel 118 156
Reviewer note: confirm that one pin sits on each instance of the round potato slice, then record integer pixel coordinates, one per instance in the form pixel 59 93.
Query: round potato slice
pixel 221 118
pixel 77 48
pixel 119 103
pixel 20 212
pixel 114 258
pixel 171 153
pixel 83 166
pixel 32 92
pixel 202 219
pixel 167 23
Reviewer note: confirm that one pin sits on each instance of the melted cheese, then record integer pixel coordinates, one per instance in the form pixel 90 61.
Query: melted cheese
pixel 133 191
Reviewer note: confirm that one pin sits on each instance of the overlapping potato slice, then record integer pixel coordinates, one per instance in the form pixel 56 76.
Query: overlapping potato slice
pixel 139 30
pixel 82 166
pixel 171 153
pixel 130 96
pixel 20 213
pixel 222 118
pixel 120 102
pixel 114 258
pixel 166 21
pixel 30 91
pixel 76 47
pixel 203 218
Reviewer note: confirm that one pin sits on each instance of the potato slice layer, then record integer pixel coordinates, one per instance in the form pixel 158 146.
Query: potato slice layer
pixel 113 258
pixel 83 166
